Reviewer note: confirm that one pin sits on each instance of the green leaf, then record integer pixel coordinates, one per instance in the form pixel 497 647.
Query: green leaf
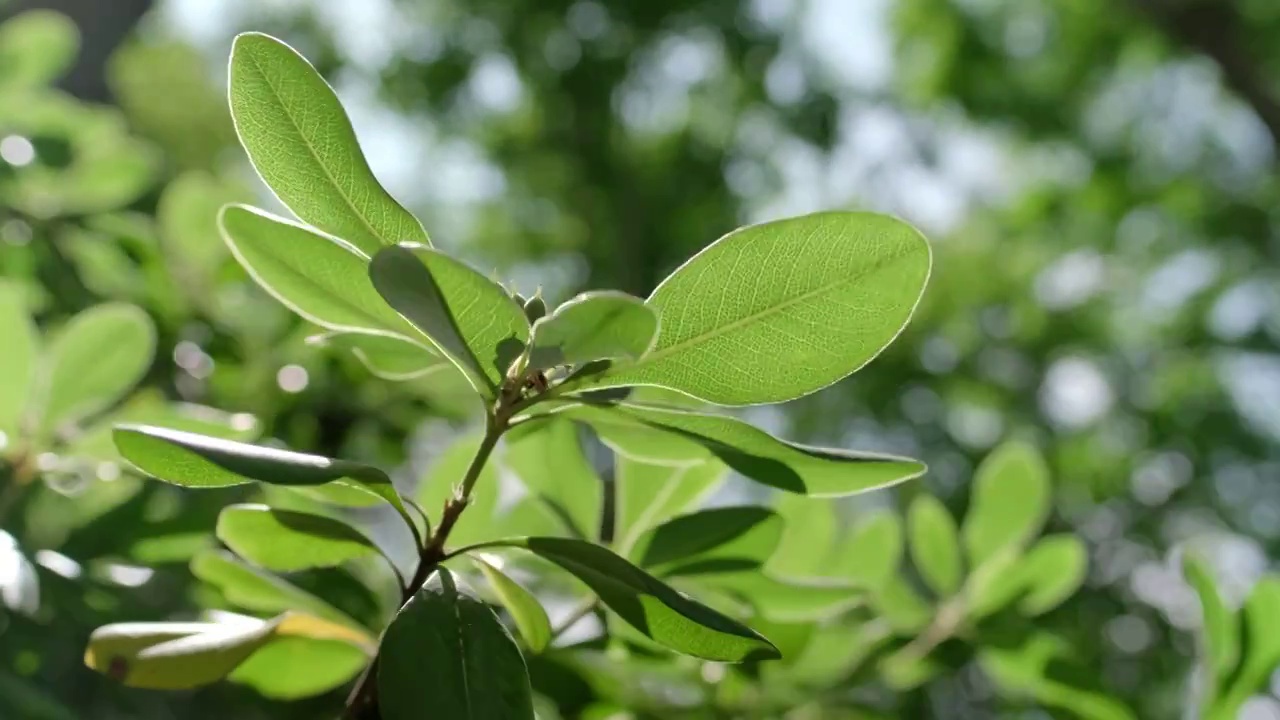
pixel 530 617
pixel 724 539
pixel 448 652
pixel 292 668
pixel 808 535
pixel 258 591
pixel 93 361
pixel 649 494
pixel 554 469
pixel 594 326
pixel 818 472
pixel 200 461
pixel 1027 670
pixel 935 545
pixel 301 142
pixel 995 584
pixel 470 318
pixel 1220 632
pixel 480 521
pixel 901 606
pixel 872 553
pixel 187 216
pixel 785 600
pixel 175 656
pixel 775 311
pixel 646 604
pixel 385 356
pixel 287 541
pixel 1052 571
pixel 321 278
pixel 1009 503
pixel 17 362
pixel 36 48
pixel 1260 649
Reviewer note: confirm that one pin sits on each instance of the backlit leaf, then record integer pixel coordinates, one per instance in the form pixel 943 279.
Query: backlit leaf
pixel 287 541
pixel 470 318
pixel 649 494
pixel 530 617
pixel 291 668
pixel 551 463
pixel 594 326
pixel 723 539
pixel 260 591
pixel 301 142
pixel 775 311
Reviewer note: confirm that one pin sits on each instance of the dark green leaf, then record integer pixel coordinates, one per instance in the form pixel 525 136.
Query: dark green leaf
pixel 648 605
pixel 447 655
pixel 724 539
pixel 800 469
pixel 301 143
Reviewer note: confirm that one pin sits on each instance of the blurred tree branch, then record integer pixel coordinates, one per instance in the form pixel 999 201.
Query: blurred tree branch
pixel 103 25
pixel 1213 27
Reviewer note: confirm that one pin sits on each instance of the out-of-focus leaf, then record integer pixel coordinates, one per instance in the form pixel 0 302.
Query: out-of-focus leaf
pixel 17 362
pixel 809 530
pixel 473 667
pixel 871 554
pixel 1052 571
pixel 901 606
pixel 551 463
pixel 649 494
pixel 93 361
pixel 1259 649
pixel 36 47
pixel 1010 502
pixel 935 544
pixel 187 215
pixel 785 600
pixel 385 356
pixel 1026 671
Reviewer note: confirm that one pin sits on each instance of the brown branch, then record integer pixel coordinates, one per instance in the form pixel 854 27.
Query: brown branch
pixel 1213 28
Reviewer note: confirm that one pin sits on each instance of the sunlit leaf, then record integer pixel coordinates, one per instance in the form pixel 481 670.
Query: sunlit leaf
pixel 301 142
pixel 775 311
pixel 36 47
pixel 387 357
pixel 723 539
pixel 593 326
pixel 469 317
pixel 291 668
pixel 649 494
pixel 260 591
pixel 287 541
pixel 530 617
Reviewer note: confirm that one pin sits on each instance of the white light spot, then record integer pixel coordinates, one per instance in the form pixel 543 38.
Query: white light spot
pixel 292 378
pixel 712 673
pixel 1071 280
pixel 190 357
pixel 129 575
pixel 4 440
pixel 17 150
pixel 58 563
pixel 108 471
pixel 1129 633
pixel 47 462
pixel 1075 393
pixel 243 422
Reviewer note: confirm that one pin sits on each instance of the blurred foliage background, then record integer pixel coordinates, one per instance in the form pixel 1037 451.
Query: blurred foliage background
pixel 1099 179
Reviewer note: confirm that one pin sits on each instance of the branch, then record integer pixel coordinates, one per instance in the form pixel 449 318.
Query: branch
pixel 1212 28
